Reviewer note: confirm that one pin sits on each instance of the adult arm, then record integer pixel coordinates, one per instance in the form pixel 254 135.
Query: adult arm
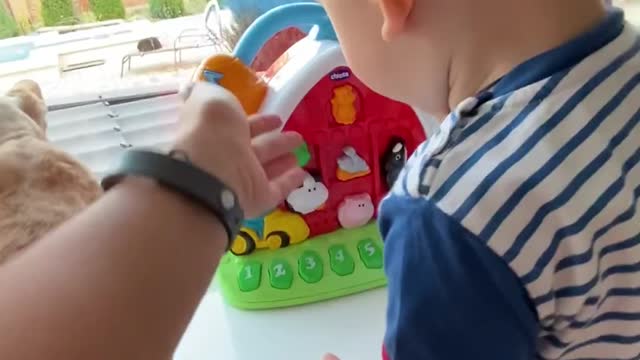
pixel 122 279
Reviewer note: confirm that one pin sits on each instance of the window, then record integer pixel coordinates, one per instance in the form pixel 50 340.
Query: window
pixel 83 52
pixel 79 47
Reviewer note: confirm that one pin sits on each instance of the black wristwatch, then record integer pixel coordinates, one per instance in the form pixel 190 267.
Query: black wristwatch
pixel 177 173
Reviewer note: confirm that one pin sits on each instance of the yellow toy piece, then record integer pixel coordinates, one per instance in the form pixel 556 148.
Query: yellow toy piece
pixel 246 242
pixel 281 229
pixel 343 105
pixel 230 73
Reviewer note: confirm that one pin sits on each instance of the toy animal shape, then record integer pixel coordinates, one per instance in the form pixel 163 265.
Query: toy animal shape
pixel 355 211
pixel 40 186
pixel 394 160
pixel 308 198
pixel 351 165
pixel 343 105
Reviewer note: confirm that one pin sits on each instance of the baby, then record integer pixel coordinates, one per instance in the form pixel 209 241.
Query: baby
pixel 513 232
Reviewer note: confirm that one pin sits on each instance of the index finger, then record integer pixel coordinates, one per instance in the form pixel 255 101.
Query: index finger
pixel 262 124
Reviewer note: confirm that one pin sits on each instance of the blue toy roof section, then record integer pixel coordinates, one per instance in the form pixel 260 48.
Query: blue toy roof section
pixel 302 15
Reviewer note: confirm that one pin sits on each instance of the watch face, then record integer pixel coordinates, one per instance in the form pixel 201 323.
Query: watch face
pixel 179 155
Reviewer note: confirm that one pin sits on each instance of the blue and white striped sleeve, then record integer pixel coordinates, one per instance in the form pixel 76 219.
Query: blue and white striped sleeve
pixel 450 296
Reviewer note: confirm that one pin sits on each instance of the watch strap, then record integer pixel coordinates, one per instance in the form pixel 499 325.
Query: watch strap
pixel 175 172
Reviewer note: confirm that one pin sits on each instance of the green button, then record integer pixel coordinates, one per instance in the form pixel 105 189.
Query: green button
pixel 280 274
pixel 302 155
pixel 249 276
pixel 370 253
pixel 340 260
pixel 310 267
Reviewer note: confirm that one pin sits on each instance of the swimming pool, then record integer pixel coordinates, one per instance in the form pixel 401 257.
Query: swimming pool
pixel 15 52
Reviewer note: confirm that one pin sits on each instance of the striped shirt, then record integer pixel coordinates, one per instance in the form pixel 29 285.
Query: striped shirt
pixel 513 232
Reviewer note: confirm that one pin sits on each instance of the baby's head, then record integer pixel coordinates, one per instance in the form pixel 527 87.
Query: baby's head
pixel 432 53
pixel 377 35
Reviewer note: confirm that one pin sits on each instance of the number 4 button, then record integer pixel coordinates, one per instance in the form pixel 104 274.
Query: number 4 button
pixel 370 254
pixel 340 260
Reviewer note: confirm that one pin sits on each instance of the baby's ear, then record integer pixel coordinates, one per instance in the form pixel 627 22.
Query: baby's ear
pixel 396 15
pixel 28 97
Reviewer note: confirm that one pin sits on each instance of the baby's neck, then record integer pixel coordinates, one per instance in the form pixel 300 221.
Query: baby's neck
pixel 481 58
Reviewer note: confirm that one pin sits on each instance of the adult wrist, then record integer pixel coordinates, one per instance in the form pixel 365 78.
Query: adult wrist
pixel 225 164
pixel 169 208
pixel 175 172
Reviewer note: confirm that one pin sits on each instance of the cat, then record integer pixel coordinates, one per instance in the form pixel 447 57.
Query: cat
pixel 40 186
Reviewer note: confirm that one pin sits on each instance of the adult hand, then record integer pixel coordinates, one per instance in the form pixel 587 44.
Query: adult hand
pixel 249 156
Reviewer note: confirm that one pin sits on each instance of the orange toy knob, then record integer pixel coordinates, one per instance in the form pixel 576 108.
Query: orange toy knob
pixel 230 73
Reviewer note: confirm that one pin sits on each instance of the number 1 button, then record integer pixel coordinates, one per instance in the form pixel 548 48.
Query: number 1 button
pixel 370 254
pixel 249 276
pixel 341 262
pixel 280 274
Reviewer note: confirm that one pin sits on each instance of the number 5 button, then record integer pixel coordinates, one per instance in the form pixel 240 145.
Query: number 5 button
pixel 370 253
pixel 280 274
pixel 310 267
pixel 341 262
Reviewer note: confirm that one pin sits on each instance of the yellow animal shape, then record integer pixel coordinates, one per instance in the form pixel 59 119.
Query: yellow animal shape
pixel 343 104
pixel 277 230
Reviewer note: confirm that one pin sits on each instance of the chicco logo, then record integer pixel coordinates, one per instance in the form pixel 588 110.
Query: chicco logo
pixel 340 75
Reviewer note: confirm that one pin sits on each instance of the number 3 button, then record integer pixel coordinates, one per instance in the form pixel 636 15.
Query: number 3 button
pixel 370 254
pixel 280 274
pixel 310 267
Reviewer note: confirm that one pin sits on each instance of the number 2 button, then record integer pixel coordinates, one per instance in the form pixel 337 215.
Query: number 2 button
pixel 370 254
pixel 280 274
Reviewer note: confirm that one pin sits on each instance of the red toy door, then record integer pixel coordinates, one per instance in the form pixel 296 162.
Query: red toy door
pixel 348 129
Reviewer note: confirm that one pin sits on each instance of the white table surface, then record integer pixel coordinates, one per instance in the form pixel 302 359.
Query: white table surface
pixel 351 327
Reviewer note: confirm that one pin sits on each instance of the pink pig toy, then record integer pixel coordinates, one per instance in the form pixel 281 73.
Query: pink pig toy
pixel 355 211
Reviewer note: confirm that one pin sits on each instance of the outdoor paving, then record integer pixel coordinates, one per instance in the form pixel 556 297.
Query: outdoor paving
pixel 154 69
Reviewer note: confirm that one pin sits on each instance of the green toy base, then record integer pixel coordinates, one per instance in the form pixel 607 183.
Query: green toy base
pixel 326 267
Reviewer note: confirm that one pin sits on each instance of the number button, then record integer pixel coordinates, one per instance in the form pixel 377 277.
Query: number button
pixel 310 267
pixel 249 276
pixel 370 254
pixel 280 274
pixel 341 262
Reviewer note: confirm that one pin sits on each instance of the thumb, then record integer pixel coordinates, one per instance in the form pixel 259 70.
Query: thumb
pixel 330 357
